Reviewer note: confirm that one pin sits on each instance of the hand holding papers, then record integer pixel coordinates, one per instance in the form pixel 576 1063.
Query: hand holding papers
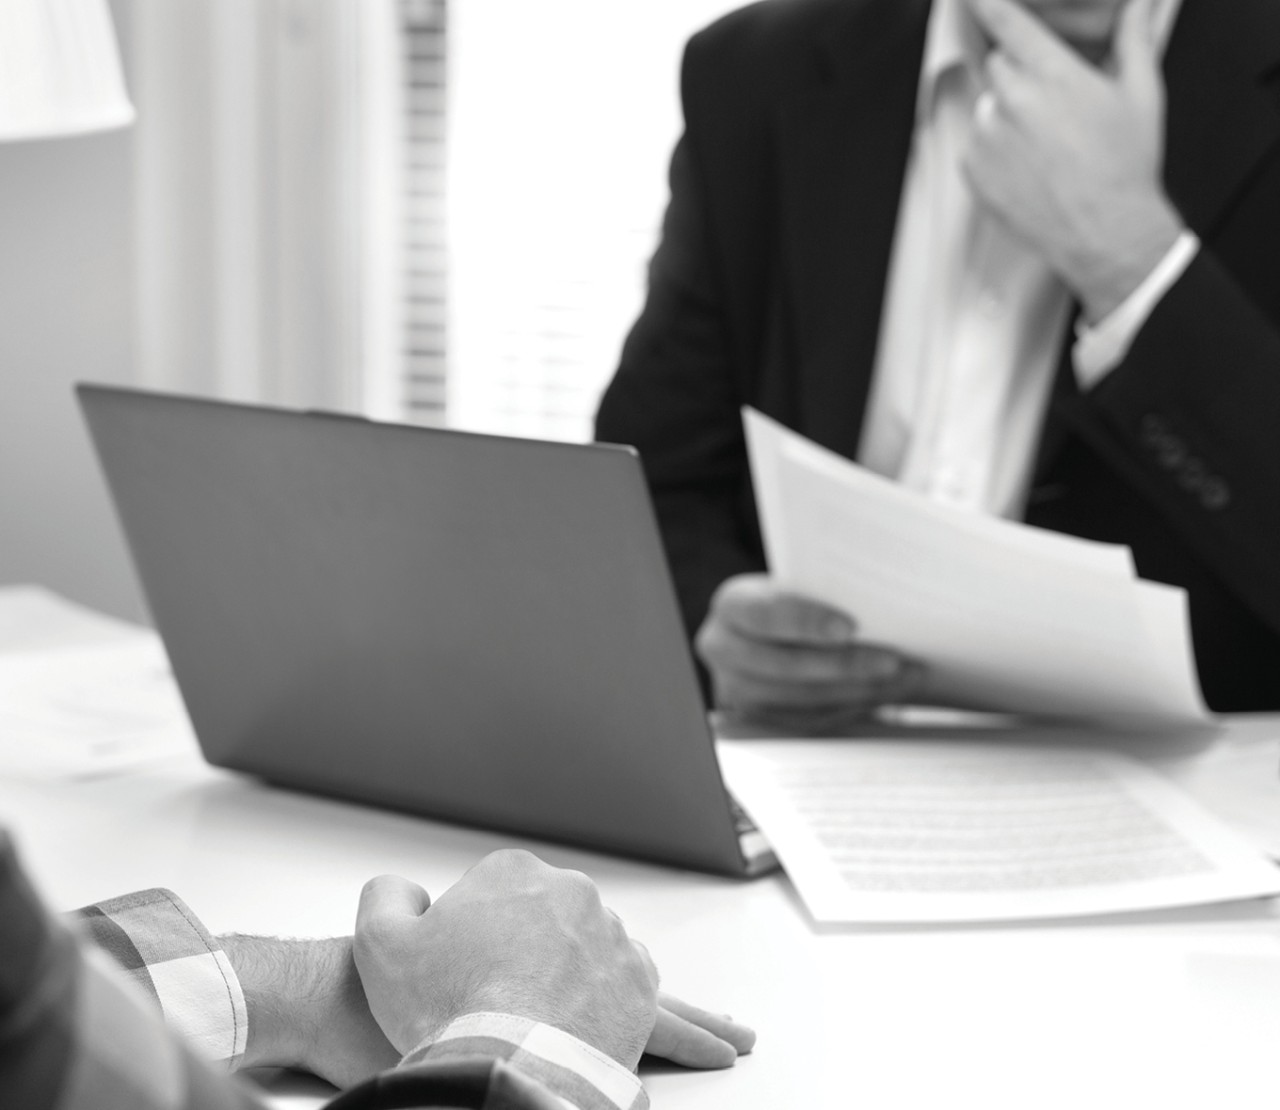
pixel 1003 616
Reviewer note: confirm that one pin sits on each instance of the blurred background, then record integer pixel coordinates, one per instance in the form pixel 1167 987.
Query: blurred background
pixel 432 211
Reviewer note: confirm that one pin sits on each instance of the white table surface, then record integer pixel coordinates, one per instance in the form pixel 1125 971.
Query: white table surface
pixel 1169 1009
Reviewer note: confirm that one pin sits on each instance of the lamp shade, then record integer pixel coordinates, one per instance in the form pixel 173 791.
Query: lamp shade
pixel 59 69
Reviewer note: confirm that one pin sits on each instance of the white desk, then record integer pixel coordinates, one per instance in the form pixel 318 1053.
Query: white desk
pixel 1168 1010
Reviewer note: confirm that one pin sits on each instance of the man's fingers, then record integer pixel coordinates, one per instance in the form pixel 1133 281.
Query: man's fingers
pixel 856 664
pixel 771 653
pixel 747 697
pixel 683 1042
pixel 735 690
pixel 753 605
pixel 742 1037
pixel 390 896
pixel 1007 94
pixel 1024 38
pixel 1137 43
pixel 809 710
pixel 651 969
pixel 816 721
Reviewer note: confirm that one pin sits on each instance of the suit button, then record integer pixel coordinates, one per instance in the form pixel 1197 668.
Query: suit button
pixel 1172 454
pixel 1169 449
pixel 1215 494
pixel 1192 475
pixel 1153 429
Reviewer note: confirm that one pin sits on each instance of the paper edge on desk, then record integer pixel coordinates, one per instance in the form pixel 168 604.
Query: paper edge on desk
pixel 1252 875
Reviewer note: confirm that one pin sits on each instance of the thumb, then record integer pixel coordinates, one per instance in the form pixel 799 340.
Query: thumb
pixel 388 897
pixel 1137 53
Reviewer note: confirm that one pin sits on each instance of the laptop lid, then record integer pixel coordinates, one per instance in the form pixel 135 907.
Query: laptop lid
pixel 476 628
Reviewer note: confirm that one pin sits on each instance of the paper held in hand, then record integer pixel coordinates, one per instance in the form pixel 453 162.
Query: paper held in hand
pixel 1004 616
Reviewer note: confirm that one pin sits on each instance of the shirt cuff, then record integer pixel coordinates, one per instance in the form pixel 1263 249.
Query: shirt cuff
pixel 1099 349
pixel 571 1069
pixel 164 948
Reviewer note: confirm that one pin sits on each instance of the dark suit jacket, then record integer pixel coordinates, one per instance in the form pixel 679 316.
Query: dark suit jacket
pixel 767 286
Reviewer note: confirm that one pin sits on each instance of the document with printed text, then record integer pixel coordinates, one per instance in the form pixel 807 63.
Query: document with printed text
pixel 1004 616
pixel 933 831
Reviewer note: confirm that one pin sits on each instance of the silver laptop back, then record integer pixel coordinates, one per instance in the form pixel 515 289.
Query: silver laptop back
pixel 471 627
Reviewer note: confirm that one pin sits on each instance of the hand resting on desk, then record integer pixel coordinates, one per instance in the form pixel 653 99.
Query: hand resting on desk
pixel 789 662
pixel 514 935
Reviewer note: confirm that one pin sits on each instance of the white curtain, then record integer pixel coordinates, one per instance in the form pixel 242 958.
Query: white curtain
pixel 562 115
pixel 266 142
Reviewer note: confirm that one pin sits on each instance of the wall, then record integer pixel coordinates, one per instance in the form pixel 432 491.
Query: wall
pixel 67 311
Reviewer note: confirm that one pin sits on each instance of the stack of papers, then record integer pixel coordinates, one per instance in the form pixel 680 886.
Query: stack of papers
pixel 1006 618
pixel 928 831
pixel 1003 616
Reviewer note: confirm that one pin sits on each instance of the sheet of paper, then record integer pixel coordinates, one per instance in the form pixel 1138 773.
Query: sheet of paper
pixel 931 831
pixel 1005 616
pixel 102 708
pixel 1237 777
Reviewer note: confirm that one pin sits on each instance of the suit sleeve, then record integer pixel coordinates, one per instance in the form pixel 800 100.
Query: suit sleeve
pixel 1191 416
pixel 676 396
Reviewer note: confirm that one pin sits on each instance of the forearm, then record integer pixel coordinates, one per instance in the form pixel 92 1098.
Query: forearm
pixel 306 1008
pixel 1104 273
pixel 301 1005
pixel 1191 416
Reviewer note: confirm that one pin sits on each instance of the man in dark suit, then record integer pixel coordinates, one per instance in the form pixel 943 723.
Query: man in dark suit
pixel 1021 255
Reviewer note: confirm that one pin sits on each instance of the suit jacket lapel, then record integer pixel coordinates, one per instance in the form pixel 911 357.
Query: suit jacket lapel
pixel 1223 114
pixel 843 148
pixel 1223 117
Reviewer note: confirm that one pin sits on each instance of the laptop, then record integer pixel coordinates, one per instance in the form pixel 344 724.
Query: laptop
pixel 475 628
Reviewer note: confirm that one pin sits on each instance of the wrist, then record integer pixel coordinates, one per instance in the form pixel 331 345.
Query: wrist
pixel 277 978
pixel 1110 274
pixel 306 1008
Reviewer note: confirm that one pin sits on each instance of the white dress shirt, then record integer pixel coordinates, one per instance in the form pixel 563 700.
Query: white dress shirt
pixel 974 321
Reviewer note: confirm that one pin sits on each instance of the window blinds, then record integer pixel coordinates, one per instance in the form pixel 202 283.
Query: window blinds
pixel 425 317
pixel 560 118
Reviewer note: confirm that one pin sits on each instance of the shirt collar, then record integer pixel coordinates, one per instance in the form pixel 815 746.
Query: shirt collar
pixel 952 42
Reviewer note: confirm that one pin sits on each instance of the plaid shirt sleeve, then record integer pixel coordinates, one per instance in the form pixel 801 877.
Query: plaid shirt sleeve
pixel 163 947
pixel 74 1035
pixel 170 955
pixel 580 1076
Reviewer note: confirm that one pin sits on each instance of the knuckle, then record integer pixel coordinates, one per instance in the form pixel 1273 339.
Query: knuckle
pixel 582 886
pixel 742 588
pixel 732 595
pixel 519 859
pixel 646 963
pixel 743 601
pixel 711 642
